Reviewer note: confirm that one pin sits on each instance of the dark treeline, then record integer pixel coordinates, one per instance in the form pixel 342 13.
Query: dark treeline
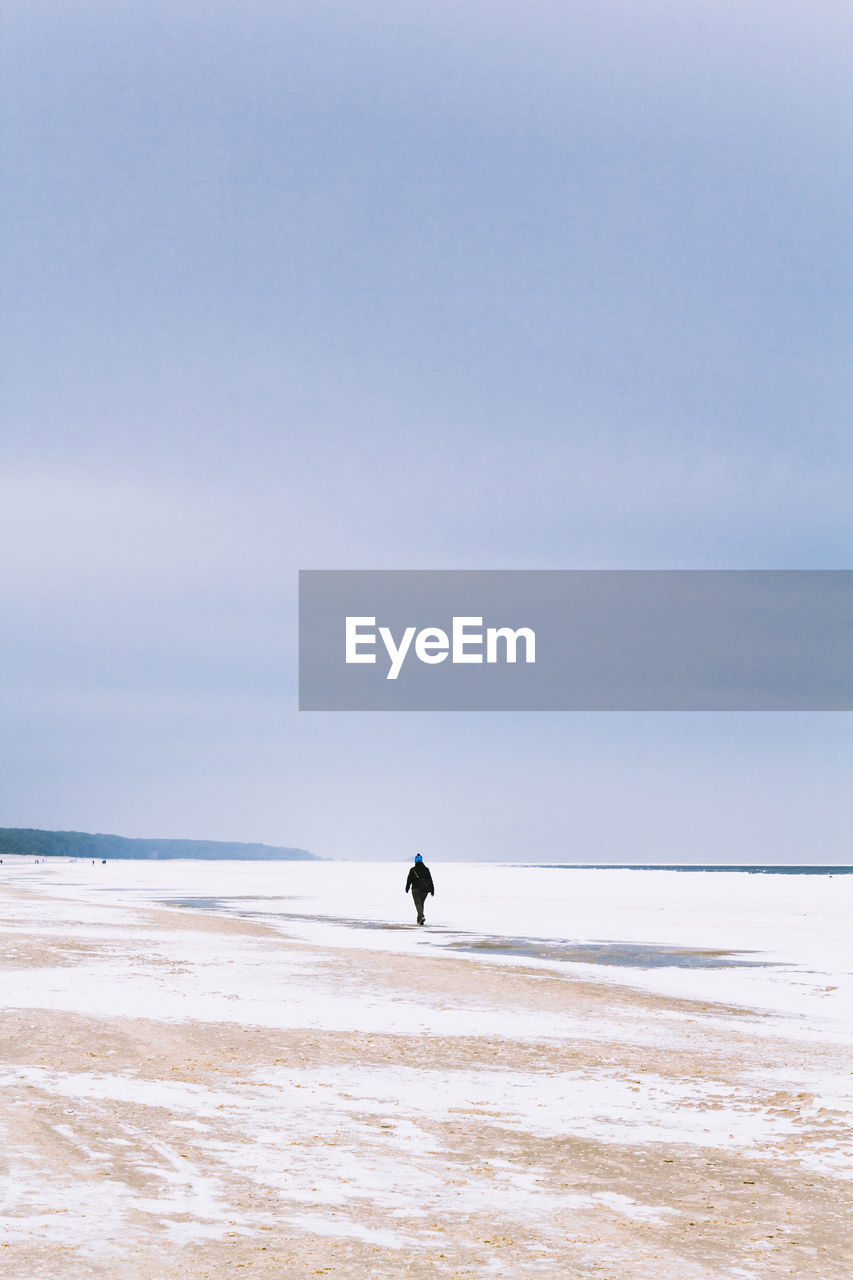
pixel 82 844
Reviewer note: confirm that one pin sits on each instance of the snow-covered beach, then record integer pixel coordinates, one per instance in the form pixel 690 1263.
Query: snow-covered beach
pixel 566 1073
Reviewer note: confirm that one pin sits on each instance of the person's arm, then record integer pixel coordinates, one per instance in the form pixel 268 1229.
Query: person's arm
pixel 408 881
pixel 431 888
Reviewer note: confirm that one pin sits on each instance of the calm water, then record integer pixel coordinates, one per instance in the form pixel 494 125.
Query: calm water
pixel 757 870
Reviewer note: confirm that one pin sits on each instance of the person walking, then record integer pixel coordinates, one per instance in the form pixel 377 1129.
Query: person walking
pixel 421 885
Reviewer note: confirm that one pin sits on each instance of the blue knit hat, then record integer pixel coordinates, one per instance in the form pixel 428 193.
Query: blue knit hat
pixel 418 858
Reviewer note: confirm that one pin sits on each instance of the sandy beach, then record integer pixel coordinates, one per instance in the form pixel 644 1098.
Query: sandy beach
pixel 385 1114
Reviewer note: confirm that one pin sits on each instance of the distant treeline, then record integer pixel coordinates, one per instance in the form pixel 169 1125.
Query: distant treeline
pixel 81 844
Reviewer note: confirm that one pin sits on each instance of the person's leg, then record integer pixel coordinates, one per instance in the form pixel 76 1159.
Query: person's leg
pixel 419 903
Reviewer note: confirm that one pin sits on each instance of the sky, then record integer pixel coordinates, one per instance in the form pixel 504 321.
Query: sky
pixel 411 285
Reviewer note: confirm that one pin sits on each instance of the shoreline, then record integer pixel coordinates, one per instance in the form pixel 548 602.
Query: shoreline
pixel 298 1108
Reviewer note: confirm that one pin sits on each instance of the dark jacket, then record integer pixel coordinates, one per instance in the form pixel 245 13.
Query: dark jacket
pixel 419 877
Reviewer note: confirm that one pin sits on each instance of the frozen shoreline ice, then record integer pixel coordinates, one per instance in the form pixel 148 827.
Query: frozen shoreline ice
pixel 290 1073
pixel 777 944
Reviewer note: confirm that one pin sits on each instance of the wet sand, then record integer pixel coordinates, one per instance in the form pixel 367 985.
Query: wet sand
pixel 699 1141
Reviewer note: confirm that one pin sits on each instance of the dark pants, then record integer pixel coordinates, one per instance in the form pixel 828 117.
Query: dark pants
pixel 420 898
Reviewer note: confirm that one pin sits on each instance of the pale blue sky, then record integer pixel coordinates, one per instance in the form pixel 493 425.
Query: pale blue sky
pixel 411 285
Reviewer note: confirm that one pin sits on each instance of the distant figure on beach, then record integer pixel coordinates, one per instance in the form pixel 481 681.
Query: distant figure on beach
pixel 420 883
